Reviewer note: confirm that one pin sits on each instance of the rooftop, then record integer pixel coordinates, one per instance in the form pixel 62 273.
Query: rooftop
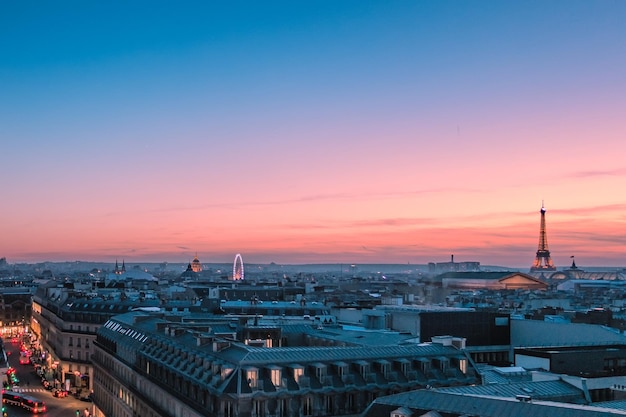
pixel 423 401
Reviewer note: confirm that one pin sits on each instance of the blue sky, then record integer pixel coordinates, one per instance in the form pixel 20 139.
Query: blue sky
pixel 329 112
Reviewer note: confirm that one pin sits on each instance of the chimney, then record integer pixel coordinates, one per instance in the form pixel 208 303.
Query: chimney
pixel 203 339
pixel 220 345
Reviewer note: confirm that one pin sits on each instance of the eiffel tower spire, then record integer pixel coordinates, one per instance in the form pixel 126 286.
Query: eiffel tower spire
pixel 543 262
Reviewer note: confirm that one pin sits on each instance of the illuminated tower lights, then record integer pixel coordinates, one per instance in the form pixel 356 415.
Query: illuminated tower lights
pixel 543 262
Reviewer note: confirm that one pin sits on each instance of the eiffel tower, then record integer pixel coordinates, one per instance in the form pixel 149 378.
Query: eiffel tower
pixel 543 262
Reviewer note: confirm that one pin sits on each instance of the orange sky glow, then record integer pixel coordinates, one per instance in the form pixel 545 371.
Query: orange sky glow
pixel 333 133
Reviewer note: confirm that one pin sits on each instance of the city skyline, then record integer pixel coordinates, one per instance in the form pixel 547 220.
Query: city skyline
pixel 325 132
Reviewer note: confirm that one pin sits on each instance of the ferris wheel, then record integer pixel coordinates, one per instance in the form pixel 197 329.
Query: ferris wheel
pixel 238 268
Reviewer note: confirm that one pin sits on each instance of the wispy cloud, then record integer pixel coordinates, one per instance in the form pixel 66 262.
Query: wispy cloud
pixel 592 210
pixel 511 218
pixel 597 173
pixel 232 205
pixel 594 237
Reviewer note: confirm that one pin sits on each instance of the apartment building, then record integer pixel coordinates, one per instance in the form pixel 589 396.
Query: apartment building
pixel 158 365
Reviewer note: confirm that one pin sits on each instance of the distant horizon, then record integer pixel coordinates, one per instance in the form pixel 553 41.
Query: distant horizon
pixel 328 258
pixel 425 264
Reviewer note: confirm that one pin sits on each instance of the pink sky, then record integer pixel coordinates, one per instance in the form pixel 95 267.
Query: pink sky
pixel 393 133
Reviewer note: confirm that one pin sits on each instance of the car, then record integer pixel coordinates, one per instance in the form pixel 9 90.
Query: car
pixel 59 393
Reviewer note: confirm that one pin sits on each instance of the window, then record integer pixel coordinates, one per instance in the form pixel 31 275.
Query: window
pixel 224 372
pixel 320 372
pixel 384 368
pixel 342 370
pixel 502 321
pixel 329 404
pixel 71 341
pixel 609 364
pixel 404 367
pixel 364 369
pixel 283 407
pixel 228 410
pixel 350 402
pixel 276 377
pixel 307 406
pixel 252 376
pixel 463 365
pixel 259 408
pixel 297 374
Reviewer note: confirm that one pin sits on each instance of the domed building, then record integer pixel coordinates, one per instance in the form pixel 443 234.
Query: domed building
pixel 196 266
pixel 189 273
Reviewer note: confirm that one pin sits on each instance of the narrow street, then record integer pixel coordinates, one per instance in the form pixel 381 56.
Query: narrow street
pixel 30 383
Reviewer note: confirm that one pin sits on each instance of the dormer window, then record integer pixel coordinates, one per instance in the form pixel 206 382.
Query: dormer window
pixel 364 368
pixel 463 365
pixel 225 371
pixel 298 373
pixel 383 367
pixel 424 364
pixel 320 371
pixel 276 375
pixel 403 364
pixel 252 376
pixel 341 369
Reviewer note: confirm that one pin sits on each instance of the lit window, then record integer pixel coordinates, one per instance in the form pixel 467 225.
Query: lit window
pixel 252 375
pixel 276 377
pixel 463 365
pixel 298 373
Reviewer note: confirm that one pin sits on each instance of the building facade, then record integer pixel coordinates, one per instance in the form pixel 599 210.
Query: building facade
pixel 64 321
pixel 154 365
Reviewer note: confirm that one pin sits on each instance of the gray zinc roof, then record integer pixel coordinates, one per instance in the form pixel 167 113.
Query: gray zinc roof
pixel 314 354
pixel 484 406
pixel 543 390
